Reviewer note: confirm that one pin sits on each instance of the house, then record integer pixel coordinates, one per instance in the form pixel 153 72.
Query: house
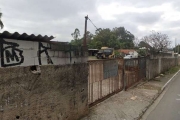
pixel 125 52
pixel 26 50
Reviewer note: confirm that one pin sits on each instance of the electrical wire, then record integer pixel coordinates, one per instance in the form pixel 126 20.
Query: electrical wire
pixel 93 24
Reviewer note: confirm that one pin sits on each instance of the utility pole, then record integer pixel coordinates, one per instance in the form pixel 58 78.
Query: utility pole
pixel 178 48
pixel 175 50
pixel 85 31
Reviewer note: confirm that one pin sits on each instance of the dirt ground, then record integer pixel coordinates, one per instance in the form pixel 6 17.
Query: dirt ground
pixel 92 58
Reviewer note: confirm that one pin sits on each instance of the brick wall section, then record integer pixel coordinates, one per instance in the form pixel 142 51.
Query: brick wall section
pixel 58 93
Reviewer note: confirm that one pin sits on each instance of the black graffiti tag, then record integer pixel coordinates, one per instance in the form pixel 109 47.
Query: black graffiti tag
pixel 9 53
pixel 43 49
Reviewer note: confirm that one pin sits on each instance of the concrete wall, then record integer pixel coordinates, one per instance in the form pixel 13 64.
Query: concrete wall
pixel 167 63
pixel 56 93
pixel 178 60
pixel 25 53
pixel 156 66
pixel 152 68
pixel 163 55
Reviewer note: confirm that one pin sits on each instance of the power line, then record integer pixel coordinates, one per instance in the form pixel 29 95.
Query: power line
pixel 93 24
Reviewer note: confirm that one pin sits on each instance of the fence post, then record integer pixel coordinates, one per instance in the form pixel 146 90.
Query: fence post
pixel 176 61
pixel 147 69
pixel 160 64
pixel 123 76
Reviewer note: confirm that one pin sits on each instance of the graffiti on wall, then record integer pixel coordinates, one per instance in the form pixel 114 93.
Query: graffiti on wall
pixel 11 55
pixel 43 49
pixel 25 53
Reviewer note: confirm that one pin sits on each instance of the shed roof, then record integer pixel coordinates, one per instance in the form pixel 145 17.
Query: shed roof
pixel 25 36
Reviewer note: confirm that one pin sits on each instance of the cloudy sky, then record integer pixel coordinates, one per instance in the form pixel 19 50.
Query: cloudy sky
pixel 60 17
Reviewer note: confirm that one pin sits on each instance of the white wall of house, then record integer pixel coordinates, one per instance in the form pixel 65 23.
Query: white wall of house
pixel 134 53
pixel 11 48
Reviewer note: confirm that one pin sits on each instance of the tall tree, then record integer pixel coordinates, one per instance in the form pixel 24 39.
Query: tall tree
pixel 76 34
pixel 124 37
pixel 1 23
pixel 136 42
pixel 177 49
pixel 116 38
pixel 76 40
pixel 157 41
pixel 105 37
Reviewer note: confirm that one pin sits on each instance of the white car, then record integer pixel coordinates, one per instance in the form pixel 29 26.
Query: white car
pixel 129 57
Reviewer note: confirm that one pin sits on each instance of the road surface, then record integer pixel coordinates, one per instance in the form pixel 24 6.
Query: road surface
pixel 168 107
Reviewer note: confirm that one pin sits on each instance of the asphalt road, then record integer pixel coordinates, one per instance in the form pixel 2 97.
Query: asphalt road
pixel 168 107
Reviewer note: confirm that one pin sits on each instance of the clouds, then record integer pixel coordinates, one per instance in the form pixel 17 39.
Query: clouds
pixel 60 18
pixel 56 17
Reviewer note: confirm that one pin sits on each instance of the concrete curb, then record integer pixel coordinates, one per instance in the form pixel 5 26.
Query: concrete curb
pixel 155 97
pixel 170 80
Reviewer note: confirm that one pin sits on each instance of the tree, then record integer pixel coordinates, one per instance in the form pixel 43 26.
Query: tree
pixel 76 34
pixel 124 37
pixel 116 38
pixel 89 36
pixel 105 37
pixel 136 42
pixel 76 41
pixel 1 23
pixel 177 49
pixel 142 52
pixel 157 41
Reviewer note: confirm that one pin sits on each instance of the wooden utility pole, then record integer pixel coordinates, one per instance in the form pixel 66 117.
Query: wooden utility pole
pixel 85 31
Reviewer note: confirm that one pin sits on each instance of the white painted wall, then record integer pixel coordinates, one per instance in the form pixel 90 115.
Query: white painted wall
pixel 30 52
pixel 134 54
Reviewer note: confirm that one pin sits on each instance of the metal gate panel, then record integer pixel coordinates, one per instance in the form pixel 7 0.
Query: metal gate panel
pixel 105 79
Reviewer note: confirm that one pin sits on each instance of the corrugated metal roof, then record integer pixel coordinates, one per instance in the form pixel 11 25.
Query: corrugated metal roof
pixel 25 36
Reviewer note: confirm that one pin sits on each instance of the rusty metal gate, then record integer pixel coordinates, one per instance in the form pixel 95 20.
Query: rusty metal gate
pixel 131 72
pixel 105 79
pixel 135 70
pixel 142 68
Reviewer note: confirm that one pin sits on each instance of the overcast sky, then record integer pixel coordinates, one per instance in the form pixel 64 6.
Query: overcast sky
pixel 60 17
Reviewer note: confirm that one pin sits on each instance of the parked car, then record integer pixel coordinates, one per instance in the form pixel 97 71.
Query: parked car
pixel 129 57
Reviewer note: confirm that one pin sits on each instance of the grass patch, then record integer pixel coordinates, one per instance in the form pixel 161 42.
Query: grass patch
pixel 173 70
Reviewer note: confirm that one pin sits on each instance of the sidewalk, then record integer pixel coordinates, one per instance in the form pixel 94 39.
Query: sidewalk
pixel 130 104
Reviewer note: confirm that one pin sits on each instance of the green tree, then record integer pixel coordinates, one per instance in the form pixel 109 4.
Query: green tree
pixel 76 40
pixel 1 23
pixel 125 37
pixel 76 34
pixel 116 38
pixel 89 37
pixel 142 52
pixel 177 49
pixel 105 37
